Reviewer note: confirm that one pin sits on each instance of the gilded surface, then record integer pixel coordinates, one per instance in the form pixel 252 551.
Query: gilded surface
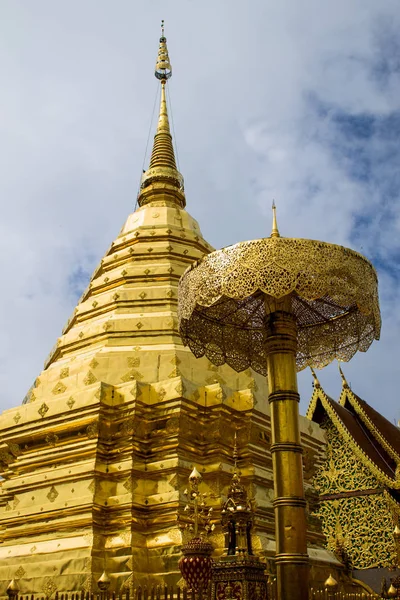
pixel 348 395
pixel 342 472
pixel 358 528
pixel 107 456
pixel 333 294
pixel 360 455
pixel 93 461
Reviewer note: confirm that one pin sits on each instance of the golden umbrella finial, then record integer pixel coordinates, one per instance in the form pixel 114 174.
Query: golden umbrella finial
pixel 275 230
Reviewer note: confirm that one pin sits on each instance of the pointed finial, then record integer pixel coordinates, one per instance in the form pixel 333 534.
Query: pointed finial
pixel 103 582
pixel 275 230
pixel 316 381
pixel 396 532
pixel 162 172
pixel 163 69
pixel 344 380
pixel 235 453
pixel 195 477
pixel 12 590
pixel 330 582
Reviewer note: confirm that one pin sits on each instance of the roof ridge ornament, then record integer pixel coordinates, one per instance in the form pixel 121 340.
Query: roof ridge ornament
pixel 342 375
pixel 316 380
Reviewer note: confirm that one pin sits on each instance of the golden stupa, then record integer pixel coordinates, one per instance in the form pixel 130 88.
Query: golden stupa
pixel 95 462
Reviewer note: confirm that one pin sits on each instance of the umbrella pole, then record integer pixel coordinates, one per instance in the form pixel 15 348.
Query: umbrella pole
pixel 292 562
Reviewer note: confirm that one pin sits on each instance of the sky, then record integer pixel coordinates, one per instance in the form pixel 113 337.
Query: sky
pixel 296 100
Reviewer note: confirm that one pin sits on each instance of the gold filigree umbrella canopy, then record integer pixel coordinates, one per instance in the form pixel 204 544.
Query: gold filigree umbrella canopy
pixel 277 305
pixel 224 302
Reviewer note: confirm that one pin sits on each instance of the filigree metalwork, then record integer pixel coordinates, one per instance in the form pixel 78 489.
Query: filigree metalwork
pixel 197 515
pixel 334 297
pixel 358 528
pixel 341 471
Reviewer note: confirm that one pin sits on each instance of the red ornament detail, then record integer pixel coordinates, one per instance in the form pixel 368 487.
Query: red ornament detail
pixel 196 563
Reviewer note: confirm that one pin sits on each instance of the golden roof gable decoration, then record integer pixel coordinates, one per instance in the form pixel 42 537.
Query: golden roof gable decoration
pixel 351 427
pixel 357 481
pixel 385 432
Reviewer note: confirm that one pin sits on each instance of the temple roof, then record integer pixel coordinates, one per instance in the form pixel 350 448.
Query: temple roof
pixel 385 432
pixel 373 439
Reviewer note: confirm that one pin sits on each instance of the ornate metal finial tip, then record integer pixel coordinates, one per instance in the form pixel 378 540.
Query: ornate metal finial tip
pixel 103 582
pixel 163 69
pixel 275 230
pixel 13 586
pixel 316 381
pixel 195 475
pixel 235 448
pixel 342 375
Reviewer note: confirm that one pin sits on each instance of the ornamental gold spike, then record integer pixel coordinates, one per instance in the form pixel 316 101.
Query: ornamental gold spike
pixel 330 582
pixel 342 375
pixel 163 66
pixel 275 230
pixel 162 176
pixel 198 515
pixel 316 380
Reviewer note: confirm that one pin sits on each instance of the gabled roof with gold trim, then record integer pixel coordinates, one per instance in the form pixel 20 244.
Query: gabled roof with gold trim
pixel 383 431
pixel 368 449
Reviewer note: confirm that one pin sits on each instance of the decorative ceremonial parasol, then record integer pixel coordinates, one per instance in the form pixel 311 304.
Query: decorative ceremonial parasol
pixel 277 305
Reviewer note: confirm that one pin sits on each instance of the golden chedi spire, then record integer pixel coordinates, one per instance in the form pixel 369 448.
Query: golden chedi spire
pixel 162 180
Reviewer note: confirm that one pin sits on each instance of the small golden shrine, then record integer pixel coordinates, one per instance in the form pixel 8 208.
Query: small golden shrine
pixel 238 574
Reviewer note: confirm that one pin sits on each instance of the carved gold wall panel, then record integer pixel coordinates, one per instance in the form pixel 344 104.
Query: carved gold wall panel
pixel 355 511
